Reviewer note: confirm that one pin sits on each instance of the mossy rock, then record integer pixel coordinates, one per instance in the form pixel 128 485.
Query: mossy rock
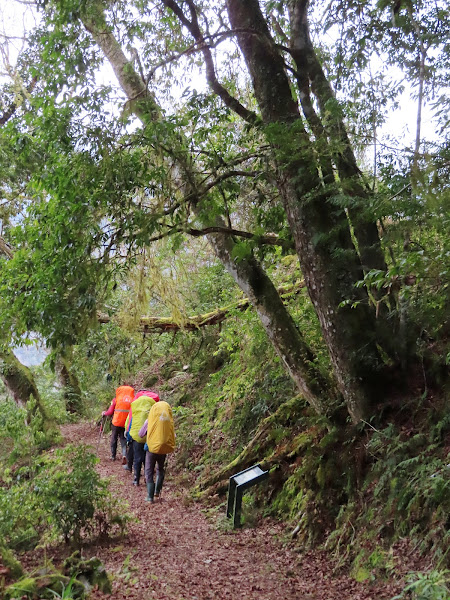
pixel 150 381
pixel 89 572
pixel 10 561
pixel 26 586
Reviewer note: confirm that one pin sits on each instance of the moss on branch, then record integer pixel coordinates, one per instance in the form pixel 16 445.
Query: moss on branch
pixel 162 324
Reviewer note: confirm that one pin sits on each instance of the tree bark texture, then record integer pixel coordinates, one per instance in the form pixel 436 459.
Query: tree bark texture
pixel 333 137
pixel 278 324
pixel 20 383
pixel 71 386
pixel 328 258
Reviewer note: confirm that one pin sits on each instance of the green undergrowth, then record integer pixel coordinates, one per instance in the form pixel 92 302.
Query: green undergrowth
pixel 430 585
pixel 22 433
pixel 357 491
pixel 58 496
pixel 405 493
pixel 49 495
pixel 224 398
pixel 73 581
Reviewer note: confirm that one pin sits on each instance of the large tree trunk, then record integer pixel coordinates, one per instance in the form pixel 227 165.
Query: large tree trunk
pixel 329 261
pixel 18 379
pixel 247 273
pixel 278 324
pixel 71 386
pixel 334 136
pixel 20 383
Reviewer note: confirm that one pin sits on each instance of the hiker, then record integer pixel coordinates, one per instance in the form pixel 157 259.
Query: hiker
pixel 119 409
pixel 160 442
pixel 139 411
pixel 129 439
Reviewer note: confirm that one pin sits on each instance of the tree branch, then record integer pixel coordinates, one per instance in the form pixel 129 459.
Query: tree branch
pixel 166 324
pixel 9 112
pixel 268 239
pixel 194 29
pixel 5 248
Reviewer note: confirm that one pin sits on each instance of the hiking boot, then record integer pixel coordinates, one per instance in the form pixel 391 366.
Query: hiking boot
pixel 159 483
pixel 135 482
pixel 127 468
pixel 124 460
pixel 112 458
pixel 150 492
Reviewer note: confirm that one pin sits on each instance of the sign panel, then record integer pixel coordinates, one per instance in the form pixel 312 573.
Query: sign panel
pixel 237 485
pixel 248 475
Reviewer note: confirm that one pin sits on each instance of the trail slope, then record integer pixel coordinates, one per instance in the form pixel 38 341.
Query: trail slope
pixel 172 551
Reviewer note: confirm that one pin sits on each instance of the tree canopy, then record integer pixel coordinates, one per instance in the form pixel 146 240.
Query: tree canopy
pixel 264 161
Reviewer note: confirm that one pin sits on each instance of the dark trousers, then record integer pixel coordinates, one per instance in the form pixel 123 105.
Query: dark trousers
pixel 139 459
pixel 118 432
pixel 130 455
pixel 152 459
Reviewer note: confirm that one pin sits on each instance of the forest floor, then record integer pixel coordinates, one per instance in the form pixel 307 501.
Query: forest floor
pixel 173 550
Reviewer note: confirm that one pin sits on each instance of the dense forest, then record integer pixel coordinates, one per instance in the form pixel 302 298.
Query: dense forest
pixel 216 201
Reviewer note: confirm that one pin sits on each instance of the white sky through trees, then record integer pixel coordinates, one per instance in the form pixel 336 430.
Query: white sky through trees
pixel 17 17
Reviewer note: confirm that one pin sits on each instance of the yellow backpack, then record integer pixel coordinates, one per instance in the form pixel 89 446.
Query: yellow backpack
pixel 160 429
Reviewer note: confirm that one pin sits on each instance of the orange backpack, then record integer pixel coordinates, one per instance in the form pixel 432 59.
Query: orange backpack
pixel 124 397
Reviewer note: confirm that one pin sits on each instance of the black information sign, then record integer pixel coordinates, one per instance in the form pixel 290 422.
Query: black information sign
pixel 238 484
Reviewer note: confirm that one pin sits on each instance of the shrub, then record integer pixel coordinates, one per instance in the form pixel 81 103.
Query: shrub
pixel 73 495
pixel 60 494
pixel 434 585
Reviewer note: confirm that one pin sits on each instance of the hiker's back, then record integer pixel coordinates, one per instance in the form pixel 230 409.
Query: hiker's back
pixel 160 429
pixel 124 397
pixel 140 410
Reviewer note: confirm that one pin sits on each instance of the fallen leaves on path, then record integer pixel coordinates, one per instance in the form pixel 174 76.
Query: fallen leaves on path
pixel 172 551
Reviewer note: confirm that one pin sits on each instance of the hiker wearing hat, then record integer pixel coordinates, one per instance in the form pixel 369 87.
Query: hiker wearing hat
pixel 160 442
pixel 119 410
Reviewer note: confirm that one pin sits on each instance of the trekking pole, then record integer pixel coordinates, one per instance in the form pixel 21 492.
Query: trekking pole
pixel 100 433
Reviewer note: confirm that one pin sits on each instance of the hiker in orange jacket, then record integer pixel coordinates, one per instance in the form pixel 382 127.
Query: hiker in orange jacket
pixel 119 409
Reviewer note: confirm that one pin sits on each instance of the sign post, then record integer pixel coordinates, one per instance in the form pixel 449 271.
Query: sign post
pixel 236 487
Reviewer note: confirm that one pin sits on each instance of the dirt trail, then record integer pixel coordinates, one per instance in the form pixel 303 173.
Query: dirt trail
pixel 174 552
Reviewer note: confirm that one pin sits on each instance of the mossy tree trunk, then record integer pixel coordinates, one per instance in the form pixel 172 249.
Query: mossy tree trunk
pixel 329 260
pixel 20 383
pixel 18 379
pixel 71 386
pixel 335 141
pixel 280 328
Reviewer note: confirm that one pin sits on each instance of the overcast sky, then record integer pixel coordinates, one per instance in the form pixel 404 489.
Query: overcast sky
pixel 17 17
